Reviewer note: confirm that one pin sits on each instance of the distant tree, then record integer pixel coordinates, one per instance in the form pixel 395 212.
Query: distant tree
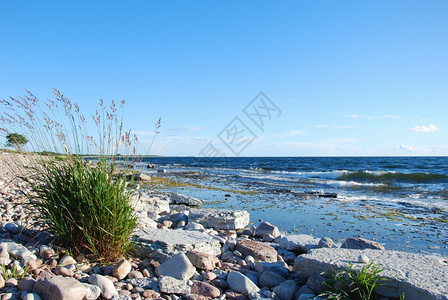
pixel 16 140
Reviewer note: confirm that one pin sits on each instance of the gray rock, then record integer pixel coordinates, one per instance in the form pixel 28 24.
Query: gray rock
pixel 285 291
pixel 161 244
pixel 326 243
pixel 171 285
pixel 241 284
pixel 301 243
pixel 288 256
pixel 360 243
pixel 194 226
pixel 27 284
pixel 179 267
pixel 267 228
pixel 58 287
pixel 108 289
pixel 220 218
pixel 317 283
pixel 121 297
pixel 177 198
pixel 419 276
pixel 93 292
pixel 263 266
pixel 145 283
pixel 270 279
pixel 151 203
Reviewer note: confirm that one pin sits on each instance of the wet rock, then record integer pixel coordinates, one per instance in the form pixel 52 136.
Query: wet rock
pixel 257 250
pixel 241 284
pixel 220 218
pixel 205 289
pixel 267 228
pixel 179 267
pixel 162 244
pixel 326 243
pixel 177 198
pixel 360 243
pixel 59 287
pixel 107 287
pixel 300 243
pixel 203 261
pixel 122 269
pixel 285 291
pixel 171 285
pixel 270 279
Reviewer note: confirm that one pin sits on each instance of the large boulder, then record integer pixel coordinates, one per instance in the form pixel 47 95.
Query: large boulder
pixel 177 198
pixel 161 244
pixel 418 276
pixel 58 288
pixel 360 243
pixel 220 218
pixel 300 243
pixel 258 250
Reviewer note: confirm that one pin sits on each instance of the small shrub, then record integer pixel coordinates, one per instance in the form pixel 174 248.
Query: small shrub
pixel 353 284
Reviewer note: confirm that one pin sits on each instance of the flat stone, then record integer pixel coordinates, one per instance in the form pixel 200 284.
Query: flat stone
pixel 205 289
pixel 360 243
pixel 418 276
pixel 179 267
pixel 161 244
pixel 59 288
pixel 107 287
pixel 220 218
pixel 203 261
pixel 177 198
pixel 240 283
pixel 267 228
pixel 171 285
pixel 258 250
pixel 300 243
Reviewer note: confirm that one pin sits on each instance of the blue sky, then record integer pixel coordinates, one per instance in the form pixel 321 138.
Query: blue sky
pixel 347 77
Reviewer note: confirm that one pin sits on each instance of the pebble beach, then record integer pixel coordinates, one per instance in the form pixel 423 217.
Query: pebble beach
pixel 187 252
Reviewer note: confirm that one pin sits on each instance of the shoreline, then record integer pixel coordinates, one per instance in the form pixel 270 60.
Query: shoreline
pixel 227 250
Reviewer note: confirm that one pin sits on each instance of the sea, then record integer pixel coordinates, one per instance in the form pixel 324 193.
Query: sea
pixel 401 202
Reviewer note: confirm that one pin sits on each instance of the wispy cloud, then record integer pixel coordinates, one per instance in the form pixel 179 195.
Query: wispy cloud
pixel 335 126
pixel 183 129
pixel 355 116
pixel 423 128
pixel 402 147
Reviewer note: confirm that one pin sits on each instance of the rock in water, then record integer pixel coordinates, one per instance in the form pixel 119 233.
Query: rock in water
pixel 179 267
pixel 257 250
pixel 360 243
pixel 241 284
pixel 220 218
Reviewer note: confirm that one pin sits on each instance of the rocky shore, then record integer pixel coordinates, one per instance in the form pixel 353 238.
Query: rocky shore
pixel 185 252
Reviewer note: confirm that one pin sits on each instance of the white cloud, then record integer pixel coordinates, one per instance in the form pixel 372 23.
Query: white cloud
pixel 423 128
pixel 405 148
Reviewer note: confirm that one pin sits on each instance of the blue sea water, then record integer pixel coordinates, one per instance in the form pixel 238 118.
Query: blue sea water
pixel 399 201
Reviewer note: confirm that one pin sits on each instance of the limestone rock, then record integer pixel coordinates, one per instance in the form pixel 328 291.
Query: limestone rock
pixel 58 288
pixel 205 289
pixel 203 261
pixel 240 283
pixel 151 203
pixel 360 243
pixel 171 285
pixel 177 198
pixel 300 243
pixel 108 289
pixel 267 228
pixel 257 250
pixel 179 267
pixel 122 269
pixel 419 276
pixel 161 244
pixel 220 218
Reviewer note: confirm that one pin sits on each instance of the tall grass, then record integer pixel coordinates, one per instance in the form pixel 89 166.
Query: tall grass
pixel 87 207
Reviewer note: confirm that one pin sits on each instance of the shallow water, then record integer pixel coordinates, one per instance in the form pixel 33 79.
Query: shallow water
pixel 399 201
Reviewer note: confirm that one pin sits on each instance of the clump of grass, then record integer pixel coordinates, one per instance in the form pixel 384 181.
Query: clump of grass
pixel 87 208
pixel 349 283
pixel 14 272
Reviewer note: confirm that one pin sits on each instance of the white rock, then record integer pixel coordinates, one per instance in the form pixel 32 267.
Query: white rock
pixel 107 287
pixel 363 259
pixel 242 284
pixel 179 267
pixel 171 285
pixel 17 250
pixel 29 296
pixel 177 198
pixel 93 292
pixel 220 218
